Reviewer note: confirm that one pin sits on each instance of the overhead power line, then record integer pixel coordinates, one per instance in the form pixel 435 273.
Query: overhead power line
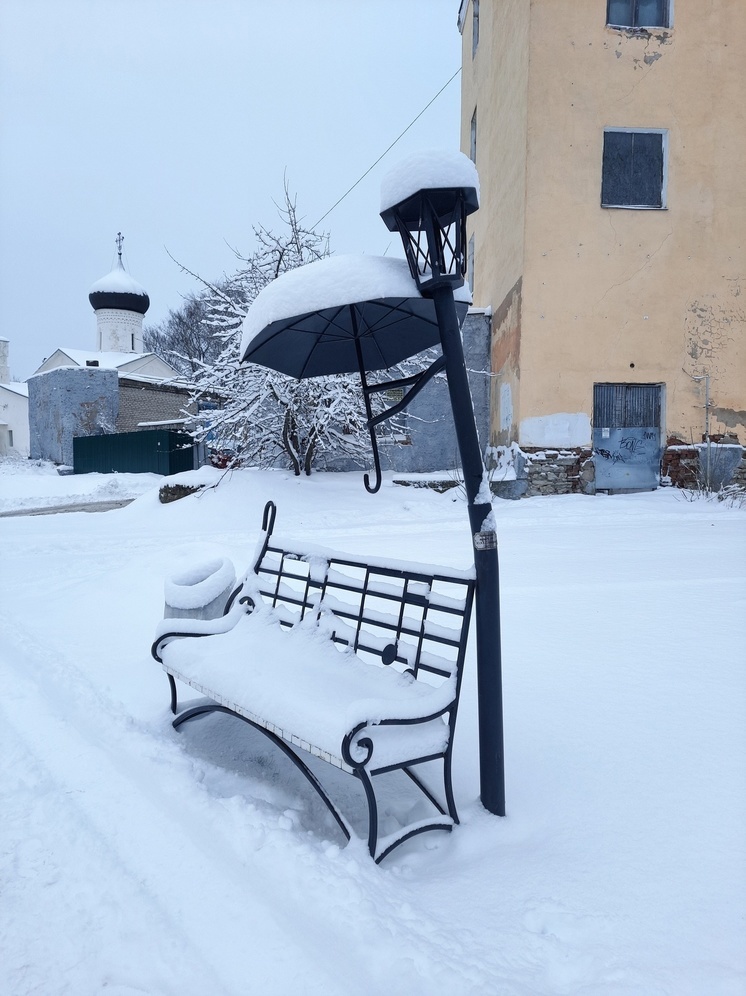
pixel 386 152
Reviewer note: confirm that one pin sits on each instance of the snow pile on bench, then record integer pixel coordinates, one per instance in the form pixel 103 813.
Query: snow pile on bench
pixel 314 691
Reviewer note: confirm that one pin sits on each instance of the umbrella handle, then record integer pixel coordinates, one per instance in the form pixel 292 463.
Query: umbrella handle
pixel 371 489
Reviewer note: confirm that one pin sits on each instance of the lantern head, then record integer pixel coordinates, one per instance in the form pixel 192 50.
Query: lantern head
pixel 430 217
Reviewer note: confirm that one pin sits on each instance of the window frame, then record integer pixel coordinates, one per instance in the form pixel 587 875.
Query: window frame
pixel 663 206
pixel 473 138
pixel 668 18
pixel 474 27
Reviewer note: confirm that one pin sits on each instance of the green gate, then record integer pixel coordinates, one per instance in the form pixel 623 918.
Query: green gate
pixel 152 451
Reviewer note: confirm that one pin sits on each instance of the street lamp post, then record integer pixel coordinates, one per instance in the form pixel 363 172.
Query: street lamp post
pixel 432 224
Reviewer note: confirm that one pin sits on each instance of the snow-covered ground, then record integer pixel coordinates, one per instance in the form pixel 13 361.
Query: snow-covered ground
pixel 140 860
pixel 37 484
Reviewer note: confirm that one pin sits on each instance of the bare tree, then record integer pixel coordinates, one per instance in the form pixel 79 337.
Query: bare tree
pixel 185 339
pixel 261 416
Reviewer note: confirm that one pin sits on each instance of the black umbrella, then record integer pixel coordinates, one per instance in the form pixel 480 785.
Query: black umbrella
pixel 364 336
pixel 352 329
pixel 340 315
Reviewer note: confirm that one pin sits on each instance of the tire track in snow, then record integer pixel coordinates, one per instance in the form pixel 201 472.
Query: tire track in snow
pixel 138 808
pixel 79 920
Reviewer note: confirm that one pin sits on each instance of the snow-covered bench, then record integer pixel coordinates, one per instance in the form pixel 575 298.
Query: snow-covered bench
pixel 356 662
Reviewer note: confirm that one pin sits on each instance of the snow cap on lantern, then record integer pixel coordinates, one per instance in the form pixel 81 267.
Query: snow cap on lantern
pixel 426 199
pixel 433 170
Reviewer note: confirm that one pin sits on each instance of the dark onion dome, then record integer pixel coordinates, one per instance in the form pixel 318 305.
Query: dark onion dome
pixel 118 290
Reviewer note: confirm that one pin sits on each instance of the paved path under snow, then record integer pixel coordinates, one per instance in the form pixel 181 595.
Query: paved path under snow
pixel 82 506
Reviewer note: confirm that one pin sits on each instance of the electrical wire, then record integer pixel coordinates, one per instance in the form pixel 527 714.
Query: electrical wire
pixel 386 152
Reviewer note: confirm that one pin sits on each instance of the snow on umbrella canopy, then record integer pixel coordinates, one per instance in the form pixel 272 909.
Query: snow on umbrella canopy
pixel 342 314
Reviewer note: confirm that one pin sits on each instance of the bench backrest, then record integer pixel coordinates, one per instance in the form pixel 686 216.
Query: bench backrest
pixel 411 617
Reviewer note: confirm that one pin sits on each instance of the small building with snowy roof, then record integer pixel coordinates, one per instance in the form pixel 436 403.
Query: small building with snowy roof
pixel 114 388
pixel 14 431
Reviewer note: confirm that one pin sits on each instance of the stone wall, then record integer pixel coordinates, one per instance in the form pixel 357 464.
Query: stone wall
pixel 571 471
pixel 546 471
pixel 66 402
pixel 558 472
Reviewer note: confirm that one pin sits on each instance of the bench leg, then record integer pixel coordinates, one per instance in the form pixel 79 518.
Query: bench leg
pixel 423 826
pixel 174 701
pixel 450 801
pixel 287 750
pixel 370 795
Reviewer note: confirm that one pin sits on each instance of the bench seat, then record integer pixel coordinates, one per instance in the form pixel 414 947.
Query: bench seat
pixel 314 692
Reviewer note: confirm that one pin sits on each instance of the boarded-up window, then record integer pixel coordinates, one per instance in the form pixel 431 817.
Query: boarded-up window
pixel 626 406
pixel 633 173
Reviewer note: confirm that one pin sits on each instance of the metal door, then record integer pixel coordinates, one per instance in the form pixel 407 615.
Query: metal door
pixel 627 436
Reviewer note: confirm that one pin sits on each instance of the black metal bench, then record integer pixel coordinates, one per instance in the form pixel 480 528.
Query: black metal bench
pixel 356 662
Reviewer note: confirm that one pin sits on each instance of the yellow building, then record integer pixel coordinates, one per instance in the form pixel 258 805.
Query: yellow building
pixel 610 140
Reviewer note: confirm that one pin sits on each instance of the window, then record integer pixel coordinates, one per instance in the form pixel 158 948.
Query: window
pixel 473 137
pixel 634 168
pixel 639 13
pixel 474 27
pixel 470 264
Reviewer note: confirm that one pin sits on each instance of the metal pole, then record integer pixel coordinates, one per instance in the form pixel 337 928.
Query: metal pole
pixel 484 539
pixel 707 429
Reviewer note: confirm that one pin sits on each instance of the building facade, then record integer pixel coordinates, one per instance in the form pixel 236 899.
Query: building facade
pixel 14 434
pixel 609 137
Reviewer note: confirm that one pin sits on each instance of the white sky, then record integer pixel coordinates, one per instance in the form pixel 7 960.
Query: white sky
pixel 174 122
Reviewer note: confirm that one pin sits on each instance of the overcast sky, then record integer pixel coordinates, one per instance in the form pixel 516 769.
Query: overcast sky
pixel 174 121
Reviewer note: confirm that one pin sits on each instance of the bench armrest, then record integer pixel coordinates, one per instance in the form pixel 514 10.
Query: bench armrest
pixel 374 744
pixel 175 629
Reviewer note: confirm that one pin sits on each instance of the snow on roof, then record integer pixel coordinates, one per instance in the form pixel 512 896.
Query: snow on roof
pixel 105 360
pixel 428 170
pixel 17 387
pixel 176 381
pixel 164 421
pixel 331 283
pixel 118 281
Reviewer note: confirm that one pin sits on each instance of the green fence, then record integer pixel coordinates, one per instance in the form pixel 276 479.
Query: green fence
pixel 153 451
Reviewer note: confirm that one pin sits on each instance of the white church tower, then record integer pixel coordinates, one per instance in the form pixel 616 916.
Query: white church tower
pixel 120 304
